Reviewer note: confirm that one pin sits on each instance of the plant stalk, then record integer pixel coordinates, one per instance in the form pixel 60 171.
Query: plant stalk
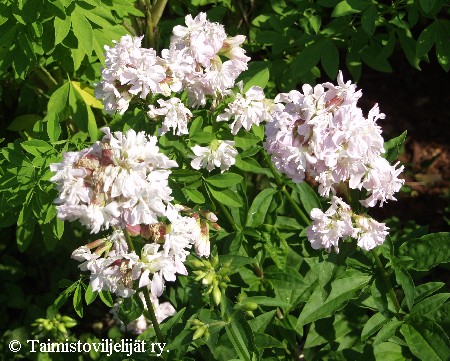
pixel 151 312
pixel 128 239
pixel 152 16
pixel 387 282
pixel 45 76
pixel 280 185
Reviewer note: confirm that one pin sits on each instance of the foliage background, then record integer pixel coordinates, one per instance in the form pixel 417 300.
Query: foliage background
pixel 50 58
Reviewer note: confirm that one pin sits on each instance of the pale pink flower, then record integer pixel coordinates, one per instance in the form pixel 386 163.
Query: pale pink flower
pixel 370 233
pixel 220 153
pixel 247 109
pixel 176 116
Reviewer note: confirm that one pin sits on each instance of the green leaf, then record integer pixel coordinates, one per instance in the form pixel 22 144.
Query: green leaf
pixel 90 295
pixel 194 195
pixel 195 126
pixel 426 289
pixel 53 127
pixel 342 290
pixel 24 234
pixel 392 147
pixel 427 252
pixel 77 300
pixel 86 93
pixel 260 206
pixel 263 341
pixel 442 44
pixel 83 31
pixel 427 5
pixel 427 341
pixel 266 301
pixel 373 325
pixel 260 79
pixel 226 197
pixel 343 9
pixel 368 19
pixel 62 28
pixel 426 40
pixel 306 59
pixel 408 45
pixel 130 309
pixel 82 113
pixel 388 351
pixel 185 175
pixel 64 296
pixel 260 323
pixel 387 331
pixel 224 180
pixel 327 330
pixel 234 261
pixel 429 304
pixel 405 280
pixel 251 165
pixel 105 296
pixel 308 197
pixel 24 122
pixel 245 140
pixel 202 137
pixel 241 336
pixel 379 293
pixel 36 147
pixel 330 59
pixel 58 102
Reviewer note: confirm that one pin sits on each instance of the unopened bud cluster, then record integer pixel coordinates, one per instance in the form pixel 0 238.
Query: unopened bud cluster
pixel 213 276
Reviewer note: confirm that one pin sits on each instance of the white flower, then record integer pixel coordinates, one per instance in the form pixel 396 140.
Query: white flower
pixel 122 180
pixel 323 133
pixel 203 38
pixel 247 109
pixel 129 71
pixel 176 116
pixel 329 227
pixel 116 270
pixel 370 232
pixel 219 153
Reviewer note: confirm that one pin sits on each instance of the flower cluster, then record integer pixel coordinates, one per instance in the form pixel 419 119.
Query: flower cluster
pixel 248 109
pixel 193 62
pixel 339 222
pixel 219 153
pixel 322 132
pixel 121 180
pixel 114 267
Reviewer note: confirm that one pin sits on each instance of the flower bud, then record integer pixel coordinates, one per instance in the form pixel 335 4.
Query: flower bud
pixel 96 243
pixel 208 278
pixel 217 295
pixel 196 322
pixel 61 328
pixel 249 306
pixel 199 332
pixel 134 230
pixel 197 263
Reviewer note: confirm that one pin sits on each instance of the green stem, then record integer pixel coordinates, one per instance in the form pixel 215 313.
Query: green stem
pixel 45 76
pixel 227 215
pixel 128 239
pixel 152 315
pixel 387 282
pixel 152 16
pixel 280 185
